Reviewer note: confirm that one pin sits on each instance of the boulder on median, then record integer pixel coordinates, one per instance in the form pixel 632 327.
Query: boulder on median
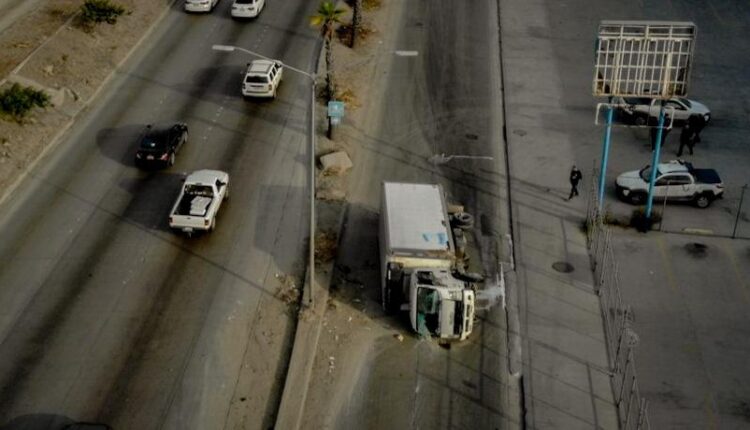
pixel 336 163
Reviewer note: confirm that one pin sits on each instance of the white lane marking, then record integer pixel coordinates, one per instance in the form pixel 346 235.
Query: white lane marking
pixel 407 53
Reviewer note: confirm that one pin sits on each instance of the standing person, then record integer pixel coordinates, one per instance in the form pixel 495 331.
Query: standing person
pixel 697 122
pixel 575 178
pixel 664 133
pixel 687 138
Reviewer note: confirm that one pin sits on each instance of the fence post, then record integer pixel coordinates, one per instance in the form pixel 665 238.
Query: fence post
pixel 739 211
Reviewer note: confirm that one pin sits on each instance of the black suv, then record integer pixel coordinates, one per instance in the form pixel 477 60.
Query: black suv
pixel 159 144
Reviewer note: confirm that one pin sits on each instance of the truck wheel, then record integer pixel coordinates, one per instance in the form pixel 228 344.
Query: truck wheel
pixel 391 300
pixel 226 195
pixel 639 120
pixel 171 159
pixel 213 224
pixel 464 220
pixel 637 198
pixel 703 200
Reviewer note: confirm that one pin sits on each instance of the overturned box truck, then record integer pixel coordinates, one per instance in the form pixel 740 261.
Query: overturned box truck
pixel 419 262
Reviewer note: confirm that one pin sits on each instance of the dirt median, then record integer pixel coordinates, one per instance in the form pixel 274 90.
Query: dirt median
pixel 44 49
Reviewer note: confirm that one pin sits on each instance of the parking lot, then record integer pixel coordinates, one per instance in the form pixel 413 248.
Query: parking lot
pixel 689 285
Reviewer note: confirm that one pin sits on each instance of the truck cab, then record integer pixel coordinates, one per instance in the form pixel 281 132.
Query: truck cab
pixel 443 306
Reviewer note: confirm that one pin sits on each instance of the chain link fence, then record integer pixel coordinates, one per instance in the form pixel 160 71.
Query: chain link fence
pixel 620 338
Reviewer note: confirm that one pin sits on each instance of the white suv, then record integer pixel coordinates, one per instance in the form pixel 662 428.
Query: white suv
pixel 200 5
pixel 262 78
pixel 247 8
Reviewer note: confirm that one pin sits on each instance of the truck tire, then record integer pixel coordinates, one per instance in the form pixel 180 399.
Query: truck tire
pixel 703 200
pixel 464 220
pixel 637 198
pixel 391 300
pixel 170 161
pixel 639 120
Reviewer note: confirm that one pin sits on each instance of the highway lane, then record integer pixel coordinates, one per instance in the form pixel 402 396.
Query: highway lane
pixel 446 99
pixel 107 315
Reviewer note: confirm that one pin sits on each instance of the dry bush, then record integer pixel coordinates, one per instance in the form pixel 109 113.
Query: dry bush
pixel 344 33
pixel 347 96
pixel 326 244
pixel 371 4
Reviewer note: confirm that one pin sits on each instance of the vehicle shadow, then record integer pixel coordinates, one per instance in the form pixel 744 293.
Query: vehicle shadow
pixel 50 422
pixel 152 196
pixel 119 143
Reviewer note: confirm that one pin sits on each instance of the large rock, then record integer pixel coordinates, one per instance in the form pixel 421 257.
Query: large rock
pixel 336 163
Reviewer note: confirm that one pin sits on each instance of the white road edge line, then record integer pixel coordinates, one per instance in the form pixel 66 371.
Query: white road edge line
pixel 407 53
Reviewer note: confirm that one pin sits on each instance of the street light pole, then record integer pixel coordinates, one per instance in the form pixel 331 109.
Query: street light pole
pixel 311 76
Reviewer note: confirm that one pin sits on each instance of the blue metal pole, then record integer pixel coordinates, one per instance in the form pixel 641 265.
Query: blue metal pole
pixel 655 163
pixel 605 158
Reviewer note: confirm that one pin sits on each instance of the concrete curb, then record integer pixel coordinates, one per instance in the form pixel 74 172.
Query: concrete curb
pixel 57 138
pixel 309 325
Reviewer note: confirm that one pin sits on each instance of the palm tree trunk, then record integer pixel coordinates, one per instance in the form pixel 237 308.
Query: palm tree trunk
pixel 330 87
pixel 356 21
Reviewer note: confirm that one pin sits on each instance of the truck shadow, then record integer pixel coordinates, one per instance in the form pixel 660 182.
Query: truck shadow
pixel 152 196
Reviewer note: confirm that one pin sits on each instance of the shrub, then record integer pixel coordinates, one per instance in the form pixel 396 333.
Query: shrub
pixel 97 11
pixel 639 221
pixel 17 101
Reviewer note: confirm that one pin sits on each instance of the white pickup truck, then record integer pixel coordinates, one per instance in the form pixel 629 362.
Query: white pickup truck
pixel 199 201
pixel 676 180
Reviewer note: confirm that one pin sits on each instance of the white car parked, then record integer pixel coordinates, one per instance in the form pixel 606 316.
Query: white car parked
pixel 262 78
pixel 247 8
pixel 200 5
pixel 645 111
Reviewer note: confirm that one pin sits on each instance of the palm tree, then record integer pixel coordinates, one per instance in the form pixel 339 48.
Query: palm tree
pixel 325 18
pixel 356 20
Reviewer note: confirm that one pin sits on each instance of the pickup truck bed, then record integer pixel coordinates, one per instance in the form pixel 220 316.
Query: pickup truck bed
pixel 706 176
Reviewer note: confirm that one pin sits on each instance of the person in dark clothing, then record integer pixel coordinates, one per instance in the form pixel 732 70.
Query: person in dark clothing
pixel 575 178
pixel 687 138
pixel 664 133
pixel 697 123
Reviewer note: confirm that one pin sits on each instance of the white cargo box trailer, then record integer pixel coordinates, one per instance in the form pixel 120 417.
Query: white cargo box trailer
pixel 415 235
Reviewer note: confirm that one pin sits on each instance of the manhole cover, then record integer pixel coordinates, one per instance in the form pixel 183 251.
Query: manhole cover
pixel 696 249
pixel 563 267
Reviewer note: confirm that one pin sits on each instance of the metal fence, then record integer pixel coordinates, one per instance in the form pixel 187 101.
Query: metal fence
pixel 620 338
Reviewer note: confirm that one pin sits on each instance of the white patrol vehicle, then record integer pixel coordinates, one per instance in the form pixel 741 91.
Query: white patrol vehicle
pixel 676 180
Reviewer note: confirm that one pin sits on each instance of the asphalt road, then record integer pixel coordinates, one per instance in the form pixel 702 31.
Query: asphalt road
pixel 107 316
pixel 445 99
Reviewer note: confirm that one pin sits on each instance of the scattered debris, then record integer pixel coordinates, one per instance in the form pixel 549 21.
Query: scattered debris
pixel 287 291
pixel 48 70
pixel 399 337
